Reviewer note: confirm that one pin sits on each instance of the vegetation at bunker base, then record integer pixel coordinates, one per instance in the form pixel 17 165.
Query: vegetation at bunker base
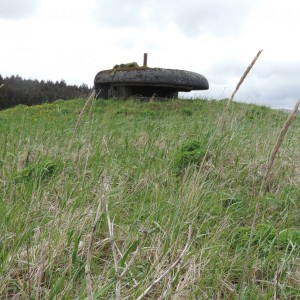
pixel 164 168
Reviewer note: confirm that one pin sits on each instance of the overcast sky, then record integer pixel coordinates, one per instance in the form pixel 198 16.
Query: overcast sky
pixel 74 39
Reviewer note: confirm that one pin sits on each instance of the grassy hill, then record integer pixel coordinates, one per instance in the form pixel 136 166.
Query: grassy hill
pixel 148 200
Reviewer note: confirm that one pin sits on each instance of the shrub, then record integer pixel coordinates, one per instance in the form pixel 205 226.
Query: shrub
pixel 148 113
pixel 265 237
pixel 21 106
pixel 42 170
pixel 187 112
pixel 288 238
pixel 255 112
pixel 190 153
pixel 59 101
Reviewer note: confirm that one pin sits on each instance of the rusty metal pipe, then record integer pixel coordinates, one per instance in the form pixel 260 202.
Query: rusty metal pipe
pixel 145 59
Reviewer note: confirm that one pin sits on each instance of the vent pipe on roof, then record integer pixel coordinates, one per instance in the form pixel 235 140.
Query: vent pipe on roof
pixel 145 59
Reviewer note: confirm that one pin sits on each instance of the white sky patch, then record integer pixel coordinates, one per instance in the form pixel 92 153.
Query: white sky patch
pixel 17 9
pixel 74 39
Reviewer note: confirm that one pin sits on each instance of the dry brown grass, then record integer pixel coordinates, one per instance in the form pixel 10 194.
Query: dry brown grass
pixel 265 179
pixel 83 111
pixel 279 141
pixel 243 77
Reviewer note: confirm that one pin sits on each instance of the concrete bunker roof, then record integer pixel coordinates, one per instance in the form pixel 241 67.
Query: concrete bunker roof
pixel 144 76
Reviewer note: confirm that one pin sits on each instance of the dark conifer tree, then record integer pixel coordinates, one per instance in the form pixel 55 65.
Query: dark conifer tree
pixel 16 90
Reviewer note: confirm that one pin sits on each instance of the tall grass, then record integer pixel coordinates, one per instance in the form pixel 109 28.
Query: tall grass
pixel 162 230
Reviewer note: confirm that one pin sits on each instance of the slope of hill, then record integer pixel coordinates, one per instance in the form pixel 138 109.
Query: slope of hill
pixel 148 200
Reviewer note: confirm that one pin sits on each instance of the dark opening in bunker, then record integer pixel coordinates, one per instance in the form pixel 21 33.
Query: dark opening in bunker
pixel 148 91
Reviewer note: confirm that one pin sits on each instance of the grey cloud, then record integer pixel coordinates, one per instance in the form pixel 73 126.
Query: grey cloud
pixel 192 16
pixel 119 13
pixel 221 71
pixel 17 9
pixel 280 96
pixel 271 83
pixel 278 69
pixel 276 81
pixel 215 17
pixel 279 90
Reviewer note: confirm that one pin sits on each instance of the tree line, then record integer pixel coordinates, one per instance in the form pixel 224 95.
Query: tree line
pixel 15 90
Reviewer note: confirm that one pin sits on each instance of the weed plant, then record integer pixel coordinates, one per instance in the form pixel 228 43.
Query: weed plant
pixel 176 236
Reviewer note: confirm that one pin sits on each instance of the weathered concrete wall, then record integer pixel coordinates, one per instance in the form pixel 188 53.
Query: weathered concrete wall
pixel 126 82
